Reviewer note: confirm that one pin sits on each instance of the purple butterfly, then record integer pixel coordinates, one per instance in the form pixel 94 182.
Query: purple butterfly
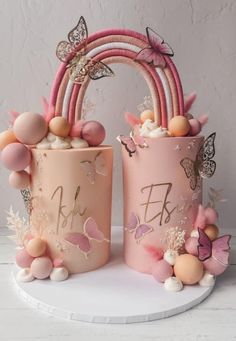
pixel 154 54
pixel 139 230
pixel 218 248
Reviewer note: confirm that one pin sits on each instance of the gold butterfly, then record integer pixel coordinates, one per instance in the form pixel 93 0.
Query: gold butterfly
pixel 80 66
pixel 203 166
pixel 91 168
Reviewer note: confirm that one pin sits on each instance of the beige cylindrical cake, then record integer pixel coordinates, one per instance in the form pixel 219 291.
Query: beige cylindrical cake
pixel 162 189
pixel 71 204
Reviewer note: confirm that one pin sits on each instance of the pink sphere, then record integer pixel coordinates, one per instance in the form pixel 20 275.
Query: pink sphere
pixel 23 259
pixel 19 180
pixel 76 128
pixel 93 132
pixel 16 156
pixel 214 267
pixel 162 270
pixel 30 128
pixel 195 127
pixel 41 267
pixel 211 215
pixel 191 245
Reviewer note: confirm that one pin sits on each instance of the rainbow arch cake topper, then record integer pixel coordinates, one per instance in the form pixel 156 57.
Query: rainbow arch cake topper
pixel 117 46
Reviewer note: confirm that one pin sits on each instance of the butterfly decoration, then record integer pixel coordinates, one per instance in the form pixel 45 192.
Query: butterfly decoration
pixel 132 142
pixel 91 168
pixel 26 194
pixel 218 248
pixel 139 230
pixel 156 51
pixel 203 166
pixel 80 66
pixel 83 239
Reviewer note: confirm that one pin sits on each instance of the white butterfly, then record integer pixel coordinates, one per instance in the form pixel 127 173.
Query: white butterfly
pixel 91 168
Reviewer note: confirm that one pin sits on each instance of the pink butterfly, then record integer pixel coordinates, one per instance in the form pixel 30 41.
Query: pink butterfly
pixel 139 230
pixel 131 143
pixel 82 239
pixel 154 54
pixel 218 249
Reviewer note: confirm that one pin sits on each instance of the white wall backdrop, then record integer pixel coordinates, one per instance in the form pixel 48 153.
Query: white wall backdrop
pixel 202 34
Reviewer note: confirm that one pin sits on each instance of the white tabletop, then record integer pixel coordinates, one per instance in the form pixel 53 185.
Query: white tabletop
pixel 214 319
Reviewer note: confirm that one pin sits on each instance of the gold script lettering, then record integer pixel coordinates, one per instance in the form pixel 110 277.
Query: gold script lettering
pixel 62 217
pixel 163 212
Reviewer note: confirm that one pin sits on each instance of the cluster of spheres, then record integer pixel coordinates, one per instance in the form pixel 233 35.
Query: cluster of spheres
pixel 31 130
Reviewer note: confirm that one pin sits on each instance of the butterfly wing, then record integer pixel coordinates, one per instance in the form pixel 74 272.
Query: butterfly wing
pixel 157 43
pixel 26 194
pixel 97 70
pixel 205 246
pixel 129 144
pixel 64 51
pixel 150 56
pixel 220 249
pixel 207 169
pixel 141 231
pixel 80 240
pixel 132 223
pixel 79 34
pixel 100 165
pixel 92 231
pixel 188 166
pixel 206 166
pixel 89 171
pixel 79 70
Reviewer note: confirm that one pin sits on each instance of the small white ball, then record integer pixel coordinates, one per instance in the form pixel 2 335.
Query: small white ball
pixel 170 256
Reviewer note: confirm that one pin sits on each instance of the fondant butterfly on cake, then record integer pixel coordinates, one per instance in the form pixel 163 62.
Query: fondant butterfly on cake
pixel 91 168
pixel 156 52
pixel 139 230
pixel 203 166
pixel 218 248
pixel 83 239
pixel 132 142
pixel 80 66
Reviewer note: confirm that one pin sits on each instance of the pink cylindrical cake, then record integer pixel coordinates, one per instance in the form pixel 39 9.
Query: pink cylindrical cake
pixel 162 189
pixel 71 204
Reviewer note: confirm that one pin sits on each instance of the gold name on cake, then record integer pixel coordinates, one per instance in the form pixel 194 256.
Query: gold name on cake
pixel 65 219
pixel 163 208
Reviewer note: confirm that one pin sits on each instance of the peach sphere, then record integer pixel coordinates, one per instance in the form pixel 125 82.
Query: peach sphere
pixel 59 126
pixel 195 127
pixel 214 267
pixel 23 259
pixel 162 270
pixel 30 128
pixel 93 132
pixel 16 156
pixel 19 180
pixel 147 115
pixel 7 137
pixel 36 247
pixel 212 231
pixel 179 126
pixel 41 267
pixel 188 269
pixel 191 245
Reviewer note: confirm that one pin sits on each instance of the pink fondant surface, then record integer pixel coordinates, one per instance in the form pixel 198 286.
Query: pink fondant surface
pixel 53 171
pixel 158 168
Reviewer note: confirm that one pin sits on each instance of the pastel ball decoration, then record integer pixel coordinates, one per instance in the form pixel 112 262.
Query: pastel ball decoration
pixel 162 270
pixel 36 247
pixel 19 180
pixel 23 259
pixel 16 156
pixel 179 126
pixel 147 115
pixel 212 231
pixel 191 246
pixel 59 126
pixel 211 215
pixel 41 267
pixel 30 128
pixel 188 269
pixel 7 137
pixel 214 267
pixel 93 132
pixel 76 128
pixel 195 127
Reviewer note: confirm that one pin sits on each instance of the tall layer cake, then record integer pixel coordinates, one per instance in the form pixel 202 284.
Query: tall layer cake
pixel 64 172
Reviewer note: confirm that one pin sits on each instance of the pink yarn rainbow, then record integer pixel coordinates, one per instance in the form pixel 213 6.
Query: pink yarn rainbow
pixel 120 46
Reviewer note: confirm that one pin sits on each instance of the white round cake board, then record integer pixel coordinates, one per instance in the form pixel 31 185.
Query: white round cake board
pixel 112 294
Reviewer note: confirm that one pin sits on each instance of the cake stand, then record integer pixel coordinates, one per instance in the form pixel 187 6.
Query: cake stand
pixel 112 294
